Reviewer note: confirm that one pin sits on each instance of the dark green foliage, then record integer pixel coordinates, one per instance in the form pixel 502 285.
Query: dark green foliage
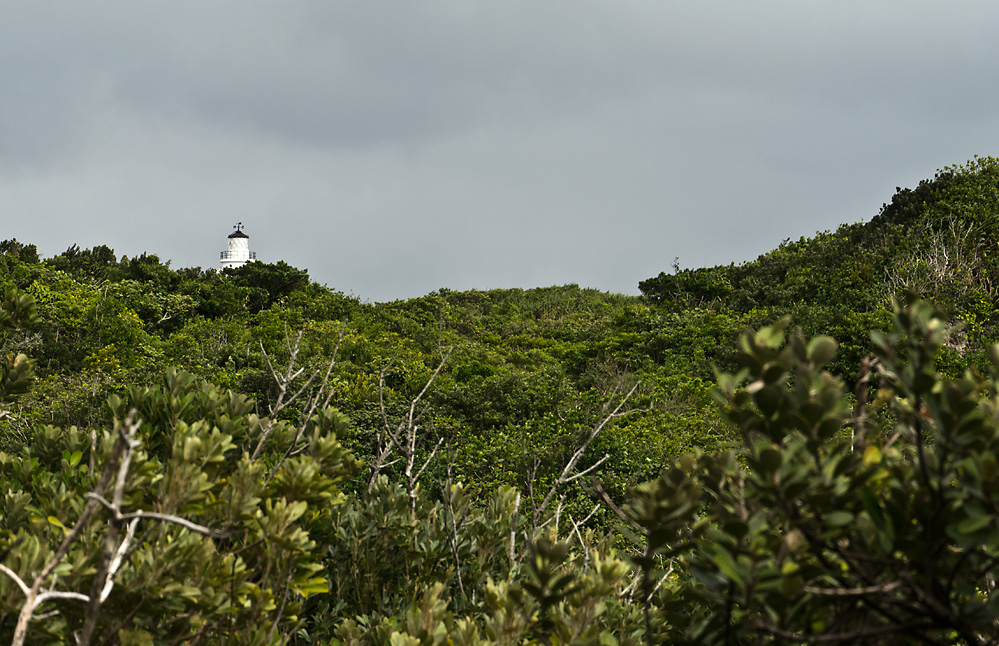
pixel 267 283
pixel 189 460
pixel 22 252
pixel 16 370
pixel 97 264
pixel 829 520
pixel 936 242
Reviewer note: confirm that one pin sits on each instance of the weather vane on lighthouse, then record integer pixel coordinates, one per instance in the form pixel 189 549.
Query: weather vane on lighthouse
pixel 239 252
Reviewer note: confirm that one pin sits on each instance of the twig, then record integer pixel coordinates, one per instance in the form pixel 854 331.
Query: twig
pixel 566 476
pixel 405 436
pixel 18 580
pixel 853 592
pixel 283 382
pixel 513 526
pixel 117 559
pixel 575 530
pixel 312 405
pixel 152 515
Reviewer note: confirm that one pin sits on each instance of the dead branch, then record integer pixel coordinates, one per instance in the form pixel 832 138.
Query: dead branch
pixel 405 436
pixel 617 510
pixel 382 449
pixel 287 398
pixel 115 548
pixel 34 595
pixel 16 579
pixel 130 517
pixel 312 405
pixel 567 474
pixel 575 531
pixel 853 592
pixel 513 527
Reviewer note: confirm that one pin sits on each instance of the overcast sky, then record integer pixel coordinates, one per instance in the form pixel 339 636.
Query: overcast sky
pixel 393 148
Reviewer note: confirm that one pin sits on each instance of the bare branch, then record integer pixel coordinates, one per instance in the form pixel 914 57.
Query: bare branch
pixel 382 450
pixel 13 575
pixel 419 473
pixel 58 594
pixel 284 400
pixel 575 530
pixel 430 381
pixel 34 596
pixel 853 592
pixel 152 515
pixel 381 390
pixel 626 593
pixel 312 406
pixel 582 543
pixel 513 526
pixel 405 436
pixel 588 516
pixel 617 510
pixel 117 560
pixel 283 382
pixel 661 580
pixel 591 468
pixel 106 568
pixel 567 476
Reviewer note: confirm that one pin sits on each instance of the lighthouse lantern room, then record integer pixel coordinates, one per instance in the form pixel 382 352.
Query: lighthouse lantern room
pixel 238 253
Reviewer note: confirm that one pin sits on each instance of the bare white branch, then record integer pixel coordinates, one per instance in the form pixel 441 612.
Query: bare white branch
pixel 312 405
pixel 513 525
pixel 567 475
pixel 35 596
pixel 117 559
pixel 662 580
pixel 152 515
pixel 626 593
pixel 13 575
pixel 589 469
pixel 419 473
pixel 405 436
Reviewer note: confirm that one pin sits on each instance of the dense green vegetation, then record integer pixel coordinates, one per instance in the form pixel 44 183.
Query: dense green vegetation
pixel 250 457
pixel 938 241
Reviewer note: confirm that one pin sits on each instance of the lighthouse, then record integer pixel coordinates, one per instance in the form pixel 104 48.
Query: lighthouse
pixel 238 253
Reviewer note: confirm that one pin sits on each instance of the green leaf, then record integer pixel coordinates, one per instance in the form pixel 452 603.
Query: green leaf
pixel 837 519
pixel 822 349
pixel 55 522
pixel 726 565
pixel 974 523
pixel 607 639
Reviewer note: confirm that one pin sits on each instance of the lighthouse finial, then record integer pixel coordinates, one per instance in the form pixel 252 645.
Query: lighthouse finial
pixel 238 226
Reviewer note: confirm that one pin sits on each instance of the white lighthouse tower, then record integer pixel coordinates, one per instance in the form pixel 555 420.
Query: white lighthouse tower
pixel 239 252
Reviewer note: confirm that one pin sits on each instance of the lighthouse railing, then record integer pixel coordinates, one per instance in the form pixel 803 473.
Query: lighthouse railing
pixel 238 255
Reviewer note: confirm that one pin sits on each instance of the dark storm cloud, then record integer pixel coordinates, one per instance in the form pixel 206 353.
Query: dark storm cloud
pixel 394 148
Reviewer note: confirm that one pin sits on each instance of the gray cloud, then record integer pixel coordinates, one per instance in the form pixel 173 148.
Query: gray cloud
pixel 392 149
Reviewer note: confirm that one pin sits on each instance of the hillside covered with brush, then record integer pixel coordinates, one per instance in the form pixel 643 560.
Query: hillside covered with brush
pixel 464 463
